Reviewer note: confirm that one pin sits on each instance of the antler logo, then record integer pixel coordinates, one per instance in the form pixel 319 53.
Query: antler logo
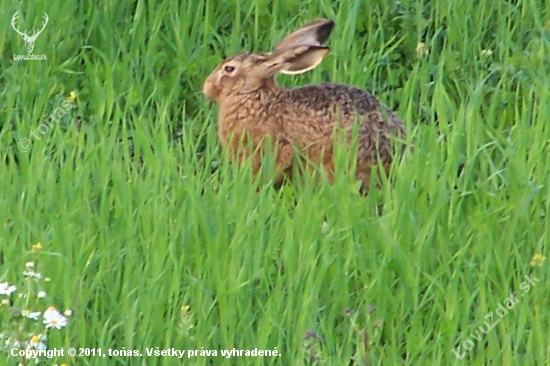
pixel 29 40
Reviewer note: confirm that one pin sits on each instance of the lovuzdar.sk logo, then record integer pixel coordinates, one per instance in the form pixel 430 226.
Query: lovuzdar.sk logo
pixel 29 39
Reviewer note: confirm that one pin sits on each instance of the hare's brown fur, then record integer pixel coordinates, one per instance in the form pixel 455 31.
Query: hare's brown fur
pixel 303 120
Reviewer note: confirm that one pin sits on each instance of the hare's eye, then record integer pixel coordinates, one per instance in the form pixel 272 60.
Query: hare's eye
pixel 229 69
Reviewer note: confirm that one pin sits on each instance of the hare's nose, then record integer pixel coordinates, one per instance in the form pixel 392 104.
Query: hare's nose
pixel 210 91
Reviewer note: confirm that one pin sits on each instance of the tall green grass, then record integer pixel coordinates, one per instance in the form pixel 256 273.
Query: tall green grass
pixel 140 215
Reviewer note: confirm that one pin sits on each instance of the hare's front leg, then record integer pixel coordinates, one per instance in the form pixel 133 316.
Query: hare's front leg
pixel 279 158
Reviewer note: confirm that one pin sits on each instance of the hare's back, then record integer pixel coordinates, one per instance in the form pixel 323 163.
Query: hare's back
pixel 344 104
pixel 333 96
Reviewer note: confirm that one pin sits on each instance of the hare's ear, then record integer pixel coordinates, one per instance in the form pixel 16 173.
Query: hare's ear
pixel 295 60
pixel 313 34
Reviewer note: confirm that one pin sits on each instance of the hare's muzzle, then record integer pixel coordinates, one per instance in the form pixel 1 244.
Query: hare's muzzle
pixel 210 91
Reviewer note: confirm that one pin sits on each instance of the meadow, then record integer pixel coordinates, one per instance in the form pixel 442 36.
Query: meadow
pixel 127 217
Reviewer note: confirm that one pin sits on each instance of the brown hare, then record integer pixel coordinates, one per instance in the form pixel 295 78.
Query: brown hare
pixel 252 107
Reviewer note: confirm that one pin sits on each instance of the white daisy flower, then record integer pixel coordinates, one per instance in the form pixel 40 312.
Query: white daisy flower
pixel 13 343
pixel 6 289
pixel 30 314
pixel 32 274
pixel 41 294
pixel 55 320
pixel 51 311
pixel 37 342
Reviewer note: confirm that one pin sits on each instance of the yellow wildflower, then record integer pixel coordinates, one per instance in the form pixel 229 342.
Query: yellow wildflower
pixel 72 97
pixel 421 50
pixel 36 247
pixel 537 260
